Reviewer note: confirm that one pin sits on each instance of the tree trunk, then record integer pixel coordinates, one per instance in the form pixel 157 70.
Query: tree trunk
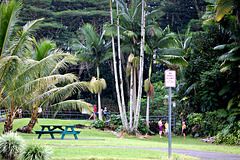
pixel 99 107
pixel 115 67
pixel 131 98
pixel 147 112
pixel 124 116
pixel 149 92
pixel 134 89
pixel 29 127
pixel 140 79
pixel 8 126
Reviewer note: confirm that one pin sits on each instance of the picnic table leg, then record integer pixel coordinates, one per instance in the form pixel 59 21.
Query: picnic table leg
pixel 52 135
pixel 39 135
pixel 63 135
pixel 75 135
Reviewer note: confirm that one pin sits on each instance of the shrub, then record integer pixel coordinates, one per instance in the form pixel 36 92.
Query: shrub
pixel 99 124
pixel 115 119
pixel 11 145
pixel 36 152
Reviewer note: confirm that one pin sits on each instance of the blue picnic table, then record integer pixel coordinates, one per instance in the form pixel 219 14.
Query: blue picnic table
pixel 60 129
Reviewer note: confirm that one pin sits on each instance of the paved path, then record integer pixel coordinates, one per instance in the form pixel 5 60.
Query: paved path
pixel 205 155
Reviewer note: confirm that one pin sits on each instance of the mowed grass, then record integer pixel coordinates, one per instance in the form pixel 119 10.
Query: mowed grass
pixel 90 141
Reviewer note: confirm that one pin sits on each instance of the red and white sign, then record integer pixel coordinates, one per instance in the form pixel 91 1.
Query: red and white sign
pixel 170 78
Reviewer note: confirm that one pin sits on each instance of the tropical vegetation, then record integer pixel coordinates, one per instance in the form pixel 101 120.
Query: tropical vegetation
pixel 131 43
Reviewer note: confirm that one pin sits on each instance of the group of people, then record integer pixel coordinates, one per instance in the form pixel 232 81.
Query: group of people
pixel 95 113
pixel 166 126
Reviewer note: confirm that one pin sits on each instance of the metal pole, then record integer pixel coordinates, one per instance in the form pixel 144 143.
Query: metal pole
pixel 170 123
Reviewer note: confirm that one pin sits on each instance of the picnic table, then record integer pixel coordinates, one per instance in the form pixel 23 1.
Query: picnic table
pixel 60 129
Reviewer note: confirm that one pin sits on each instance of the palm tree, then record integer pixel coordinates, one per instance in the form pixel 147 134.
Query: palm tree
pixel 96 50
pixel 140 79
pixel 115 65
pixel 12 49
pixel 23 81
pixel 47 60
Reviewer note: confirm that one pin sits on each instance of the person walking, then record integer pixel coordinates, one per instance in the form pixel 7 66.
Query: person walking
pixel 160 128
pixel 95 112
pixel 92 114
pixel 184 129
pixel 166 129
pixel 105 113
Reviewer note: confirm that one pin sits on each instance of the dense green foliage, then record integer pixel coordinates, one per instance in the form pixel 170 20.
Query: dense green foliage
pixel 158 106
pixel 64 17
pixel 219 123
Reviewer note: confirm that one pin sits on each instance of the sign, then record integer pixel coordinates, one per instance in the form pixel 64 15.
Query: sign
pixel 170 78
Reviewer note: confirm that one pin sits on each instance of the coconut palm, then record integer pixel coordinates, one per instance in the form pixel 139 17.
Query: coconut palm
pixel 13 46
pixel 23 80
pixel 45 65
pixel 94 50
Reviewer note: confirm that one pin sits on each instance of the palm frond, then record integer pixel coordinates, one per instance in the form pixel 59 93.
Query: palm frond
pixel 41 84
pixel 58 94
pixel 225 66
pixel 211 1
pixel 46 65
pixel 74 104
pixel 155 28
pixel 223 7
pixel 23 36
pixel 177 60
pixel 8 18
pixel 90 35
pixel 107 56
pixel 43 48
pixel 98 85
pixel 189 89
pixel 109 30
pixel 172 51
pixel 124 8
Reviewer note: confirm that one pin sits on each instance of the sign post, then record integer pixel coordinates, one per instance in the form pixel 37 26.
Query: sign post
pixel 170 81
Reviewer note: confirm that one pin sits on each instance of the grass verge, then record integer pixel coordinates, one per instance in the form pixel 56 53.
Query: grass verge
pixel 93 137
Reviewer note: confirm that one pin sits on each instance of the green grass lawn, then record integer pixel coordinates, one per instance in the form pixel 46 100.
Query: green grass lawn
pixel 64 149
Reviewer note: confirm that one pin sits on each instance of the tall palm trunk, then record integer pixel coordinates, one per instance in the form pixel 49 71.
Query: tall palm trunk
pixel 124 116
pixel 140 79
pixel 131 99
pixel 147 112
pixel 134 89
pixel 148 93
pixel 99 106
pixel 99 96
pixel 115 67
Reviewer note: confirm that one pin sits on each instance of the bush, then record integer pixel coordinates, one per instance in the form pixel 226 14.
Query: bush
pixel 11 145
pixel 98 124
pixel 230 135
pixel 36 152
pixel 115 119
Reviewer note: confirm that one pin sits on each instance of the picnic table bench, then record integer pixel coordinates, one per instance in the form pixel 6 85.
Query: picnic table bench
pixel 60 129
